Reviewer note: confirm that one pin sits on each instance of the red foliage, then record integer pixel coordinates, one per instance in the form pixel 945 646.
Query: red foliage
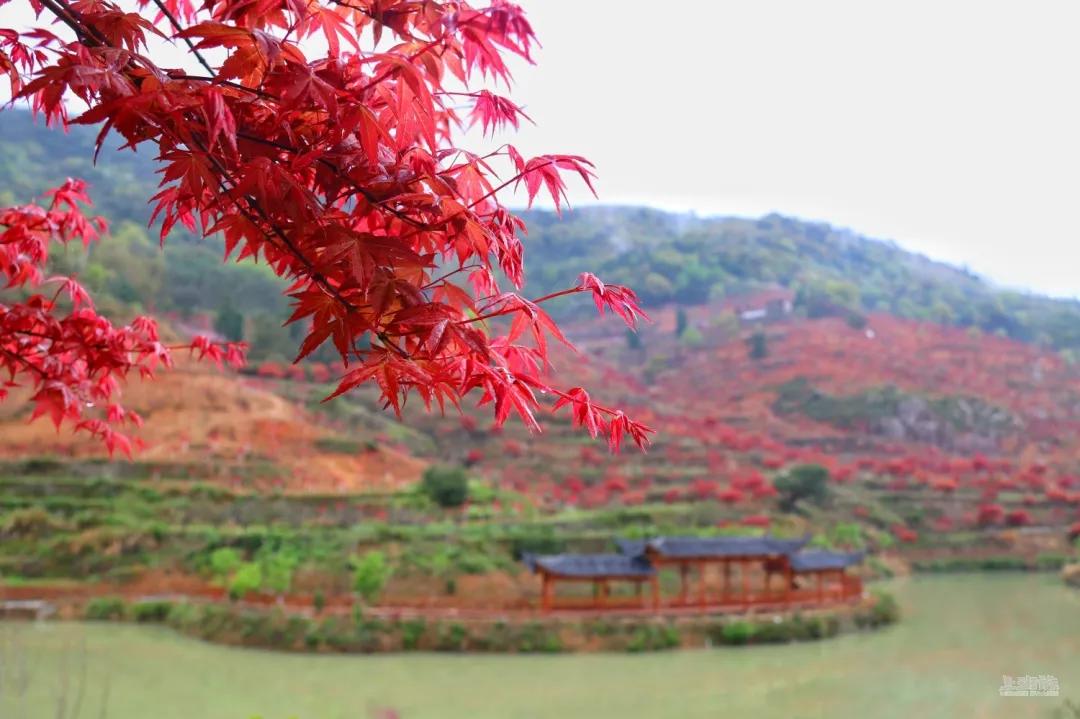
pixel 1018 518
pixel 703 488
pixel 756 520
pixel 271 370
pixel 341 172
pixel 513 448
pixel 74 358
pixel 319 372
pixel 730 495
pixel 989 514
pixel 947 485
pixel 904 534
pixel 943 524
pixel 615 484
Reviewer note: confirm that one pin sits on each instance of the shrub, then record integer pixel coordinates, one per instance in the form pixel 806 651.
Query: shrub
pixel 370 574
pixel 653 638
pixel 758 346
pixel 31 522
pixel 224 561
pixel 277 571
pixel 806 481
pixel 446 486
pixel 774 632
pixel 480 492
pixel 451 638
pixel 318 601
pixel 737 632
pixel 247 578
pixel 104 608
pixel 1051 562
pixel 538 638
pixel 152 611
pixel 473 562
pixel 536 541
pixel 885 610
pixel 412 631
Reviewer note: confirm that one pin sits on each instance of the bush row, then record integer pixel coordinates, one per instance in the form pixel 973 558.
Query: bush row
pixel 274 629
pixel 1043 562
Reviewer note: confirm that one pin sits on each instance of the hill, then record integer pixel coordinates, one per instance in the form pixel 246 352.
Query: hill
pixel 689 260
pixel 668 258
pixel 776 342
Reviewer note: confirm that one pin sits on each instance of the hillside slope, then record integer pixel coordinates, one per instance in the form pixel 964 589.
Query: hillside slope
pixel 876 363
pixel 245 433
pixel 666 257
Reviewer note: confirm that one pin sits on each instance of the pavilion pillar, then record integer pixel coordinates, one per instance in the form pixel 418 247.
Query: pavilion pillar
pixel 701 583
pixel 545 592
pixel 743 571
pixel 727 580
pixel 820 586
pixel 654 585
pixel 788 581
pixel 684 571
pixel 603 592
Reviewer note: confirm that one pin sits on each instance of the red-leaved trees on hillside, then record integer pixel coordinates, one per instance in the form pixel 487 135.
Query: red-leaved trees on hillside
pixel 52 338
pixel 340 170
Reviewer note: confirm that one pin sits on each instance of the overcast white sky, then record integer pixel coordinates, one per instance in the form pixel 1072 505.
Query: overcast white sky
pixel 950 127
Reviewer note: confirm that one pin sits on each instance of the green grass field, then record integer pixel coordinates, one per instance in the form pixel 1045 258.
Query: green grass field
pixel 960 633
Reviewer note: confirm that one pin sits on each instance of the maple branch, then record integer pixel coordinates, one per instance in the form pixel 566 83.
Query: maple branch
pixel 61 10
pixel 179 32
pixel 369 196
pixel 366 12
pixel 434 282
pixel 70 17
pixel 227 83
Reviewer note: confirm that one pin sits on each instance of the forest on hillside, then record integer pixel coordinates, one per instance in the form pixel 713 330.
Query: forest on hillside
pixel 667 258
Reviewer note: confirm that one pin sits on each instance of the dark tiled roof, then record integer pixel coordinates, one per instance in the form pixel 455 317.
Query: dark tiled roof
pixel 689 547
pixel 591 565
pixel 815 560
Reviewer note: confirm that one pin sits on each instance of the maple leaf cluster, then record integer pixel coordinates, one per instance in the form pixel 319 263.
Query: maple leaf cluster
pixel 73 357
pixel 340 171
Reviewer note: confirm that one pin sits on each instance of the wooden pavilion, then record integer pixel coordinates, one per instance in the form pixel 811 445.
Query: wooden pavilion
pixel 828 570
pixel 764 556
pixel 600 570
pixel 771 572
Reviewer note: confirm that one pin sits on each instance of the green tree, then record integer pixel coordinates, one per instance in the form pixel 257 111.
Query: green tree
pixel 681 322
pixel 277 571
pixel 370 574
pixel 446 486
pixel 247 578
pixel 758 345
pixel 656 289
pixel 691 337
pixel 224 561
pixel 693 283
pixel 809 482
pixel 826 298
pixel 229 323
